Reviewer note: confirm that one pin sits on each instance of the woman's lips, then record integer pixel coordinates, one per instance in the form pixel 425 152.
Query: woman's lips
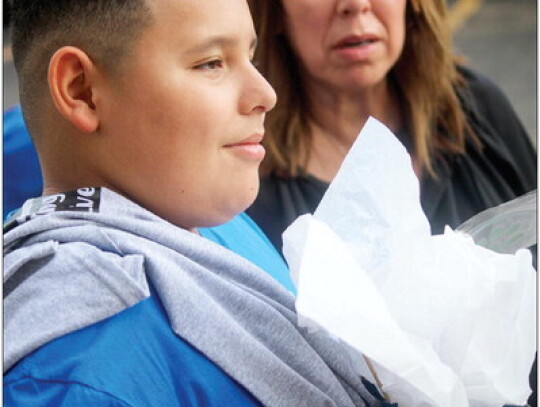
pixel 356 47
pixel 355 41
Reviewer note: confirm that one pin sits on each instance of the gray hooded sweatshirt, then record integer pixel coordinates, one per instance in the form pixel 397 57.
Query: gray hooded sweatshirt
pixel 71 260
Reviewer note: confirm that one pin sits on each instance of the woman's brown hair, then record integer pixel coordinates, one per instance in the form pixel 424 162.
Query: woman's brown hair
pixel 425 76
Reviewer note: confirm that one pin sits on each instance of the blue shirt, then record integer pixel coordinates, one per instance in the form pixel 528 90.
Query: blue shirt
pixel 131 359
pixel 134 358
pixel 22 174
pixel 244 237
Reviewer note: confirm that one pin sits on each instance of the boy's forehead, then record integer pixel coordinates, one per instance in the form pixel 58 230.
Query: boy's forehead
pixel 193 20
pixel 198 8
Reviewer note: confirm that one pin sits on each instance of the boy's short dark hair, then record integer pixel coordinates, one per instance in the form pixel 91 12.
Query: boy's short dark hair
pixel 104 29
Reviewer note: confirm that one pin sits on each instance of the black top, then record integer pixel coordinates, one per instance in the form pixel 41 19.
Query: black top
pixel 466 184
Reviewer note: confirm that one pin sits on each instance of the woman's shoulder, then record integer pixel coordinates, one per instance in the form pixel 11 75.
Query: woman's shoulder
pixel 498 127
pixel 487 107
pixel 486 94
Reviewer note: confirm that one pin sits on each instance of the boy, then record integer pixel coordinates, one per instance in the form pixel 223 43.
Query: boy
pixel 147 116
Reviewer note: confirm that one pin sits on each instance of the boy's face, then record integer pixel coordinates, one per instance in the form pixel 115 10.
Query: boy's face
pixel 183 123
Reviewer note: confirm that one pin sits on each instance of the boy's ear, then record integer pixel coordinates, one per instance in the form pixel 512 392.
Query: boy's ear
pixel 71 83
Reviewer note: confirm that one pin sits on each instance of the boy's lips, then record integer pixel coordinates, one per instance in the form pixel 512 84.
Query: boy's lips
pixel 249 148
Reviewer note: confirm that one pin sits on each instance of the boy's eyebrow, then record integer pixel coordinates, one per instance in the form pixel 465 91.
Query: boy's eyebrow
pixel 219 41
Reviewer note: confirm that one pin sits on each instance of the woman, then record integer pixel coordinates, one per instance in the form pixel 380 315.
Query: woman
pixel 334 63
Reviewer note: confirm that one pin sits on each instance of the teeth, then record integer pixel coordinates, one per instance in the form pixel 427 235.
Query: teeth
pixel 356 44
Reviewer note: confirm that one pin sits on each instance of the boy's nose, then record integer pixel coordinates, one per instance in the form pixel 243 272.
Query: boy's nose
pixel 259 95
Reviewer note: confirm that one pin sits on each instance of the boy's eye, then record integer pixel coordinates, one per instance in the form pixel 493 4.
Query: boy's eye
pixel 210 65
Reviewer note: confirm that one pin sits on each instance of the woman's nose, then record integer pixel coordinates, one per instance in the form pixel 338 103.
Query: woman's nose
pixel 348 8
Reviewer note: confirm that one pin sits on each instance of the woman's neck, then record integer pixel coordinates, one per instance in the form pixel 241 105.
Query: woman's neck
pixel 338 117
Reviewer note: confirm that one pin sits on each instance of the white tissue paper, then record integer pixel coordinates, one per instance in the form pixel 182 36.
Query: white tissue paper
pixel 441 321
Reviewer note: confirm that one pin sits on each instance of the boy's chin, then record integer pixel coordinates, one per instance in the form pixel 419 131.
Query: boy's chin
pixel 237 206
pixel 218 214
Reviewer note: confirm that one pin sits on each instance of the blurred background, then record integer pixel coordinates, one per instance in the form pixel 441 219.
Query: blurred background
pixel 498 38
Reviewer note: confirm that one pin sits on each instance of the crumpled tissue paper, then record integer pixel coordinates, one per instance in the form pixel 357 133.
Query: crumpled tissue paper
pixel 440 320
